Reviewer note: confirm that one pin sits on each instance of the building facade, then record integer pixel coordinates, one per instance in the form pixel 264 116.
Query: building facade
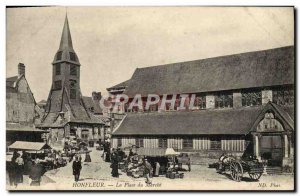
pixel 67 113
pixel 241 104
pixel 22 111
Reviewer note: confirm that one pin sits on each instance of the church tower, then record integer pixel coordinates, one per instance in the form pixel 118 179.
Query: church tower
pixel 66 70
pixel 67 112
pixel 65 102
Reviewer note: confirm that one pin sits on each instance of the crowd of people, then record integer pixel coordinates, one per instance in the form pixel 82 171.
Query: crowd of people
pixel 132 164
pixel 22 164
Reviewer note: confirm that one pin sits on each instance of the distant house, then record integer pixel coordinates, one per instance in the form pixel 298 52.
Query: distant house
pixel 244 103
pixel 21 110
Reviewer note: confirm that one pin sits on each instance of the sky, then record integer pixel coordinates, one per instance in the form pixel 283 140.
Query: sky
pixel 111 42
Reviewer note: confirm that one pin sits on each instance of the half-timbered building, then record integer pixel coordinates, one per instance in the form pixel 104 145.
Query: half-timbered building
pixel 244 104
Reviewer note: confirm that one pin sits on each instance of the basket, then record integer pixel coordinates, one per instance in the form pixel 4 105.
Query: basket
pixel 172 175
pixel 181 175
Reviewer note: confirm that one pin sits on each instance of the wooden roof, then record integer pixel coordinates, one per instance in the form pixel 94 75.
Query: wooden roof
pixel 247 70
pixel 31 146
pixel 229 121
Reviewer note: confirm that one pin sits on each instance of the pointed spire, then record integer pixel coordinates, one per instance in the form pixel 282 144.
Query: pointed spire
pixel 66 39
pixel 66 51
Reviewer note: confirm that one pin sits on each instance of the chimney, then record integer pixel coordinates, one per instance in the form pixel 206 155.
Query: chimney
pixel 21 69
pixel 96 96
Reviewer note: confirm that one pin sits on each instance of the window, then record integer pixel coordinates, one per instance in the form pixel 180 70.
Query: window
pixel 72 132
pixel 73 70
pixel 283 96
pixel 224 100
pixel 85 134
pixel 162 142
pixel 119 142
pixel 57 85
pixel 72 56
pixel 200 101
pixel 73 88
pixel 251 98
pixel 215 143
pixel 139 142
pixel 59 55
pixel 57 69
pixel 187 143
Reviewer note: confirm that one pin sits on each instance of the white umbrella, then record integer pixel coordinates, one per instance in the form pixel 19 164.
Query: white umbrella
pixel 171 151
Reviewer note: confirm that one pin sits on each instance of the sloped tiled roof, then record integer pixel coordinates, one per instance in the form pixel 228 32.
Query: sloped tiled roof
pixel 10 81
pixel 90 103
pixel 247 70
pixel 120 85
pixel 219 121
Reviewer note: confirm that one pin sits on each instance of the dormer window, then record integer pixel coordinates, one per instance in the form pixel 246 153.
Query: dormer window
pixel 224 100
pixel 72 56
pixel 251 97
pixel 59 55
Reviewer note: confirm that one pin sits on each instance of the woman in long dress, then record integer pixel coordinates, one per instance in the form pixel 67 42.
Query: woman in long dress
pixel 87 157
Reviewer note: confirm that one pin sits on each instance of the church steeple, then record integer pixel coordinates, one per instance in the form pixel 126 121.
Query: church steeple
pixel 66 39
pixel 66 52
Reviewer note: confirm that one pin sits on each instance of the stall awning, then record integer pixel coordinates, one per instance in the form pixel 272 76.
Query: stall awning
pixel 156 151
pixel 30 146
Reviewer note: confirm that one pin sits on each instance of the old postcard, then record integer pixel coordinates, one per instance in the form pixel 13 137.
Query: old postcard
pixel 150 98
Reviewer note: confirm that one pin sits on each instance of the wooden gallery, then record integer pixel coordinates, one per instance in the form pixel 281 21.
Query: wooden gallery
pixel 244 103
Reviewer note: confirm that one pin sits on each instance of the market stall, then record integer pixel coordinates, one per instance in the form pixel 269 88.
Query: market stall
pixel 35 149
pixel 162 161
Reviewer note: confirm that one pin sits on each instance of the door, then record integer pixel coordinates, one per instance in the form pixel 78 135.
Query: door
pixel 271 149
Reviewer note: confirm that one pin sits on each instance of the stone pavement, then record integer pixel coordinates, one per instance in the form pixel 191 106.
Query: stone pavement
pixel 97 176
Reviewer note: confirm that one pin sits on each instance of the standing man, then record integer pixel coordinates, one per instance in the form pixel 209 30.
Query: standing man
pixel 36 173
pixel 115 164
pixel 148 170
pixel 19 169
pixel 76 168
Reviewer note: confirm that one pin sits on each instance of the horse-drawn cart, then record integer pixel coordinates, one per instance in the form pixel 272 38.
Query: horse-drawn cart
pixel 238 168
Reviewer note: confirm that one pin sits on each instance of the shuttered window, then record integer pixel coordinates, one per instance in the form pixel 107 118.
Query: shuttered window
pixel 73 70
pixel 72 56
pixel 59 55
pixel 73 87
pixel 57 69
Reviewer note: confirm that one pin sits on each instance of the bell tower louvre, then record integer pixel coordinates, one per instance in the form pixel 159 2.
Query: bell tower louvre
pixel 65 104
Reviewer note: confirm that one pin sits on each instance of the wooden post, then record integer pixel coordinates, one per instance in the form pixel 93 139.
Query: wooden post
pixel 291 145
pixel 256 146
pixel 286 146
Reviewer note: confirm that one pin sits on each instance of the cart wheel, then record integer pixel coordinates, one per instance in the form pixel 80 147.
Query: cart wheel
pixel 236 171
pixel 255 176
